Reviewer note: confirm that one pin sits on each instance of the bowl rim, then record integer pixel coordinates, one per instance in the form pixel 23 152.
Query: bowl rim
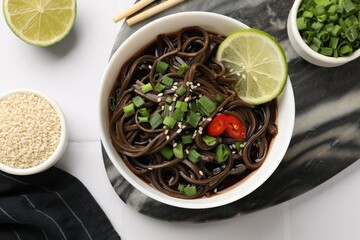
pixel 59 150
pixel 297 37
pixel 202 203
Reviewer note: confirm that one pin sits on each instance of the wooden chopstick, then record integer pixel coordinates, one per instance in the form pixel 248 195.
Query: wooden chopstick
pixel 152 11
pixel 136 7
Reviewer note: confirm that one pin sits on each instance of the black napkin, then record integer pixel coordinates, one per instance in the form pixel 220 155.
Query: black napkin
pixel 52 205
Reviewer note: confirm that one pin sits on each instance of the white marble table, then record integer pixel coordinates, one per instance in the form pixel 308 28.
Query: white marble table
pixel 70 73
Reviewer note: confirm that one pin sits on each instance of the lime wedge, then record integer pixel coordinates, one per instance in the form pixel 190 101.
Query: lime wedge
pixel 40 22
pixel 257 61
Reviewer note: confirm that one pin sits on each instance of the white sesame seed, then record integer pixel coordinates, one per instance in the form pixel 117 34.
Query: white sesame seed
pixel 238 74
pixel 150 169
pixel 175 144
pixel 170 108
pixel 187 151
pixel 200 129
pixel 198 84
pixel 209 119
pixel 166 131
pixel 174 99
pixel 179 130
pixel 162 107
pixel 187 83
pixel 183 126
pixel 200 132
pixel 150 66
pixel 176 83
pixel 167 137
pixel 175 95
pixel 159 99
pixel 186 99
pixel 201 173
pixel 215 190
pixel 231 70
pixel 233 152
pixel 160 94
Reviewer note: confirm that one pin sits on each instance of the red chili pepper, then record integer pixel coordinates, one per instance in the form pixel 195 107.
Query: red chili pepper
pixel 218 125
pixel 235 128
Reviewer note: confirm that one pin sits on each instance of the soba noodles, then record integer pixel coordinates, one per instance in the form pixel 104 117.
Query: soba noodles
pixel 180 158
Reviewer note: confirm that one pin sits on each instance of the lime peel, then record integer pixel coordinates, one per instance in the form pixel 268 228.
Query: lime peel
pixel 257 61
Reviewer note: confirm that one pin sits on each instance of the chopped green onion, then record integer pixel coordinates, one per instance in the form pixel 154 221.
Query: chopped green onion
pixel 218 98
pixel 183 69
pixel 178 150
pixel 307 14
pixel 159 87
pixel 129 110
pixel 156 77
pixel 181 90
pixel 332 9
pixel 144 112
pixel 181 187
pixel 143 119
pixel 112 103
pixel 206 105
pixel 239 146
pixel 308 36
pixel 138 101
pixel 301 23
pixel 336 30
pixel 167 110
pixel 169 122
pixel 162 67
pixel 190 190
pixel 146 88
pixel 320 10
pixel 323 36
pixel 193 119
pixel 178 115
pixel 194 156
pixel 326 24
pixel 327 51
pixel 183 106
pixel 155 120
pixel 168 81
pixel 351 33
pixel 349 6
pixel 209 140
pixel 222 153
pixel 169 100
pixel 334 41
pixel 167 152
pixel 186 138
pixel 317 42
pixel 344 49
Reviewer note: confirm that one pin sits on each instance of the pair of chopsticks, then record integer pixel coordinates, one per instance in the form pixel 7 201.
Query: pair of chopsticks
pixel 145 14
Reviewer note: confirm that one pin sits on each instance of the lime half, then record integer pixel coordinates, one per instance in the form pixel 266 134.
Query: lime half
pixel 257 61
pixel 40 22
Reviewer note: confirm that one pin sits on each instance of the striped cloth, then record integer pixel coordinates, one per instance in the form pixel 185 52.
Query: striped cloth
pixel 52 205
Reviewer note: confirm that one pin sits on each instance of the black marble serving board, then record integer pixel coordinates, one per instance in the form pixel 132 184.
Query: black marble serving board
pixel 327 126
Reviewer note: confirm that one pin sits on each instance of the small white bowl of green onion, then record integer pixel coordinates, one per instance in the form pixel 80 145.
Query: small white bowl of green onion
pixel 325 32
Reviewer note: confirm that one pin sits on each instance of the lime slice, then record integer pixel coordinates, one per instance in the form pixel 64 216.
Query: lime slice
pixel 257 61
pixel 40 22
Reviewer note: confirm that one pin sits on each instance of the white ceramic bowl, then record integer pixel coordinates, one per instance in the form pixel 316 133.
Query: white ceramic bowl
pixel 213 23
pixel 59 150
pixel 305 51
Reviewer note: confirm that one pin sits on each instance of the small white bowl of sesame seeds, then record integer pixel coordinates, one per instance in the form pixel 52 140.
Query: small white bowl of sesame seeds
pixel 33 133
